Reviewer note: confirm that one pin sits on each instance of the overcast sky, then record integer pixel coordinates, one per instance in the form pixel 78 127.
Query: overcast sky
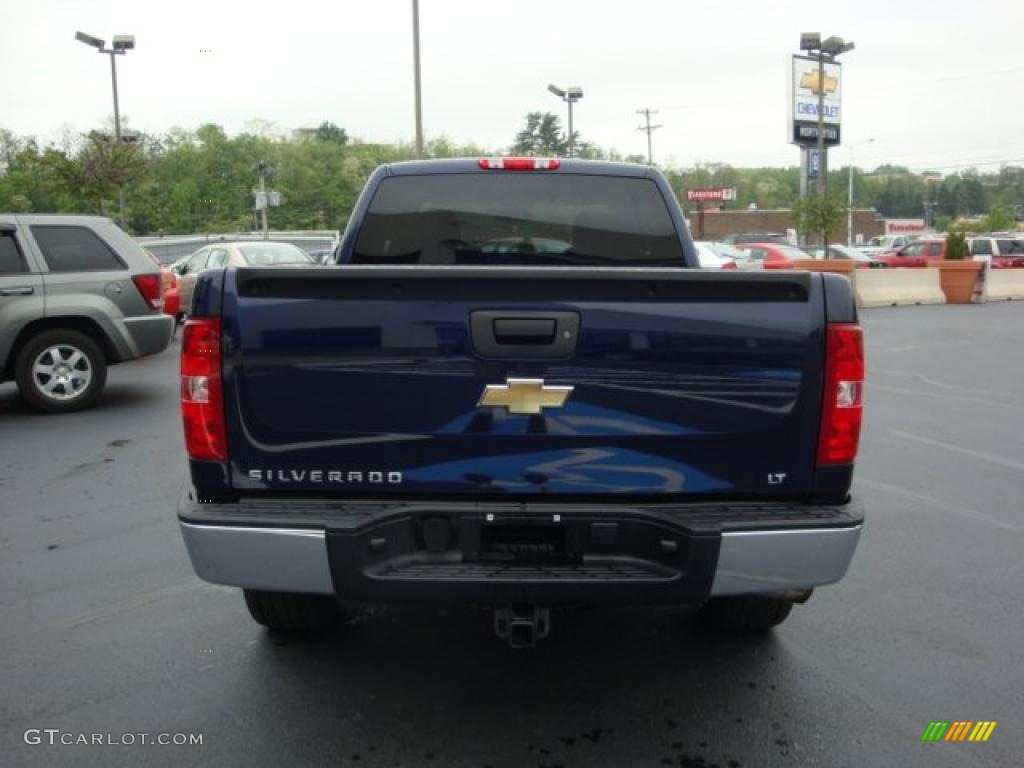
pixel 937 84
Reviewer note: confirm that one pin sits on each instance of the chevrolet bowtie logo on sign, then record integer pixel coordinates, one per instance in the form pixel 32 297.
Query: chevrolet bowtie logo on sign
pixel 811 82
pixel 524 395
pixel 958 730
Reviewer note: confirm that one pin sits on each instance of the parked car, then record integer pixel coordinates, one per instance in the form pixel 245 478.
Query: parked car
pixel 76 296
pixel 729 251
pixel 518 432
pixel 1005 250
pixel 916 254
pixel 773 255
pixel 887 243
pixel 255 253
pixel 845 252
pixel 709 258
pixel 172 299
pixel 778 238
pixel 322 256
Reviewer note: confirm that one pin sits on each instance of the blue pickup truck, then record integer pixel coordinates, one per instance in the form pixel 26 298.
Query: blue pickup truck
pixel 516 389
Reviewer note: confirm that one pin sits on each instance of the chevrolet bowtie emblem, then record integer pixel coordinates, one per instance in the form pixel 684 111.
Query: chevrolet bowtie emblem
pixel 812 82
pixel 524 395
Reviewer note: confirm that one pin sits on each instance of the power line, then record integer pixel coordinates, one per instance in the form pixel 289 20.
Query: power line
pixel 649 129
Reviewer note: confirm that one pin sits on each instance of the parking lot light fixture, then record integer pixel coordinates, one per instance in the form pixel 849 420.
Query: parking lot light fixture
pixel 95 42
pixel 570 96
pixel 121 45
pixel 810 41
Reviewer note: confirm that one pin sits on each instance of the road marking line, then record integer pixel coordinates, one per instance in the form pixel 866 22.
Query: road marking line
pixel 966 512
pixel 980 455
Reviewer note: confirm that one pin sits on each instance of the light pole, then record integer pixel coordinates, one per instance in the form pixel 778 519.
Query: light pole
pixel 570 96
pixel 823 50
pixel 849 192
pixel 416 75
pixel 120 45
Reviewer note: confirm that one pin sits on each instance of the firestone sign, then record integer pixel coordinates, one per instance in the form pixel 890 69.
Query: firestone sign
pixel 701 194
pixel 805 87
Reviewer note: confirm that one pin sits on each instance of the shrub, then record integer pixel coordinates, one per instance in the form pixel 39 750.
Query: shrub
pixel 956 246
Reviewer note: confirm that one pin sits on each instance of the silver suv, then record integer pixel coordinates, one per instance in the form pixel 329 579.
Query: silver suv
pixel 76 295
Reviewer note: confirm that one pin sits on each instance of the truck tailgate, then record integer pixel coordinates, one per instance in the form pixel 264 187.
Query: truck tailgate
pixel 455 381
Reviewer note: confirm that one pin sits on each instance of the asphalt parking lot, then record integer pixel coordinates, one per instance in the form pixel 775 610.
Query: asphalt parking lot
pixel 105 629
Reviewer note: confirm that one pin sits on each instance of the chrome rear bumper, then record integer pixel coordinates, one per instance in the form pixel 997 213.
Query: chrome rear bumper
pixel 296 560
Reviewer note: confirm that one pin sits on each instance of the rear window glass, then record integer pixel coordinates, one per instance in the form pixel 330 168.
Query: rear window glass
pixel 518 218
pixel 74 249
pixel 10 258
pixel 278 253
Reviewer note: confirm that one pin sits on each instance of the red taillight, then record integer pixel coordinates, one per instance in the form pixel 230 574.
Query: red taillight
pixel 730 265
pixel 202 402
pixel 152 289
pixel 843 401
pixel 519 163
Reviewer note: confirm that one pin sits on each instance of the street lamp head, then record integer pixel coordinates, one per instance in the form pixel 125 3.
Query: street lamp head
pixel 810 41
pixel 95 42
pixel 557 91
pixel 124 42
pixel 835 46
pixel 575 92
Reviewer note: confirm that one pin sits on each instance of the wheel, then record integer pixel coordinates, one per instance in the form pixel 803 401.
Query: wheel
pixel 746 613
pixel 292 611
pixel 60 370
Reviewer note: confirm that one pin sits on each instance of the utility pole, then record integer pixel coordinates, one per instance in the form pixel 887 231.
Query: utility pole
pixel 822 165
pixel 262 168
pixel 647 112
pixel 416 75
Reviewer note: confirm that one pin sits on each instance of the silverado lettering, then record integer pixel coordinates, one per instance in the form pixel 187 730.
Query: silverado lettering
pixel 323 476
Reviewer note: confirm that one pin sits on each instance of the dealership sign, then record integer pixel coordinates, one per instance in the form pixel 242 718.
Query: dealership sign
pixel 702 194
pixel 806 87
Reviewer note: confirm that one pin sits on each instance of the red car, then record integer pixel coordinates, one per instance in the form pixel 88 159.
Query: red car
pixel 916 254
pixel 773 255
pixel 172 299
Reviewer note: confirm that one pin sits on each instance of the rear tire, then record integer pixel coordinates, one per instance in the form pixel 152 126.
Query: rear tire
pixel 293 611
pixel 60 371
pixel 746 613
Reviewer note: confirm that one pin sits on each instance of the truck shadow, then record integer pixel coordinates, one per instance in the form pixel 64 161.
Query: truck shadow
pixel 434 687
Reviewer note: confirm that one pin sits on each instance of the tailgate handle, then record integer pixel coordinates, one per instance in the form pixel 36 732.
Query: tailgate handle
pixel 518 334
pixel 524 330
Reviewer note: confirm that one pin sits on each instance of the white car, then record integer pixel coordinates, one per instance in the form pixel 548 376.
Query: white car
pixel 715 255
pixel 886 243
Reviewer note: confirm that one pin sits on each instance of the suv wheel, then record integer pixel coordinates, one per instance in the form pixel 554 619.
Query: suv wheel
pixel 292 611
pixel 746 613
pixel 60 370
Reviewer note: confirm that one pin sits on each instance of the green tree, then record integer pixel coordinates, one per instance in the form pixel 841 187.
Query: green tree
pixel 817 216
pixel 332 133
pixel 542 135
pixel 998 220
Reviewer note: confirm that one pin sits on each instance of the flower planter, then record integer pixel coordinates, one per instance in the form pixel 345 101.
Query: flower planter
pixel 957 278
